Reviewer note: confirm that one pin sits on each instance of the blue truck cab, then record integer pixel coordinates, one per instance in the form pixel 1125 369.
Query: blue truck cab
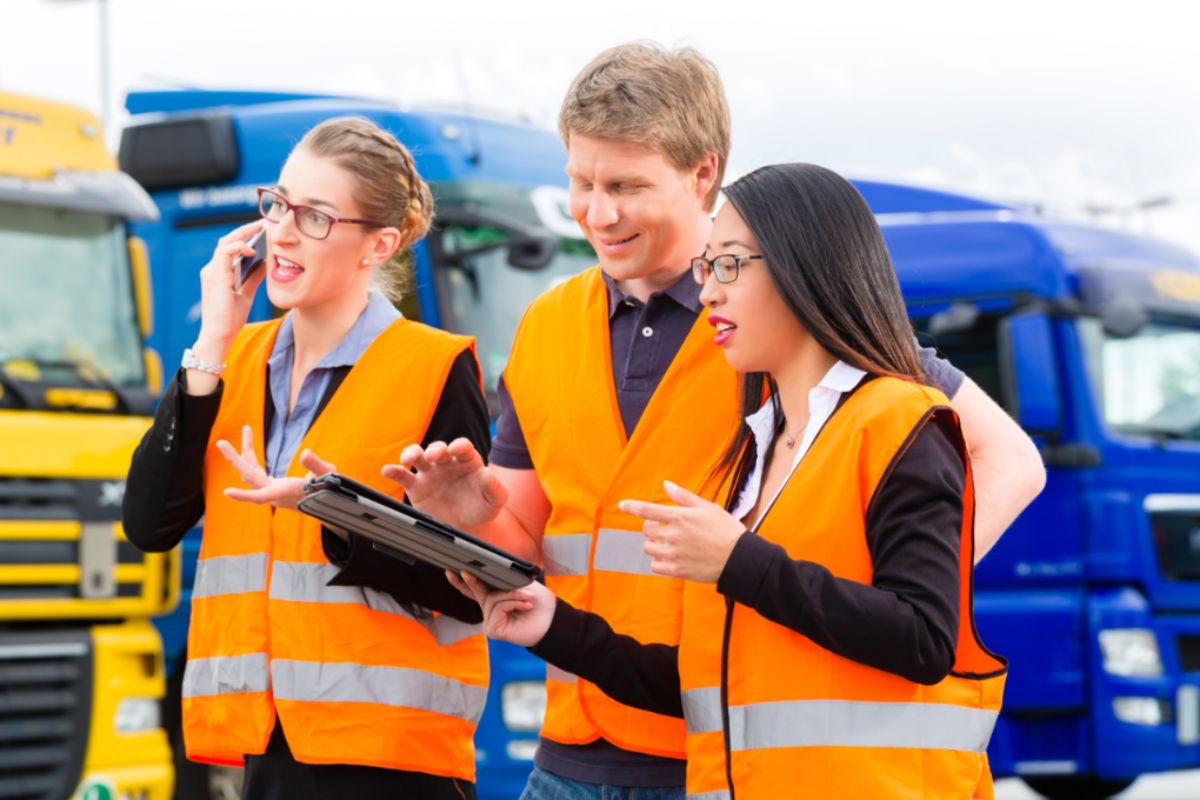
pixel 503 235
pixel 1089 337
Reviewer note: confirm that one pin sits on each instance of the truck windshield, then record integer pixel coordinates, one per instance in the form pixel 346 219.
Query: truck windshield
pixel 67 299
pixel 484 295
pixel 1148 383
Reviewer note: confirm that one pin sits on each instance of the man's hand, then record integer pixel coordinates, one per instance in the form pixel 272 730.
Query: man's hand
pixel 451 482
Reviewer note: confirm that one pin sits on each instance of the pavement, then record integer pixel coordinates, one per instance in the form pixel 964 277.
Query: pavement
pixel 1165 786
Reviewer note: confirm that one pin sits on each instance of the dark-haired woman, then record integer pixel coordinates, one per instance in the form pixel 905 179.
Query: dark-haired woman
pixel 828 648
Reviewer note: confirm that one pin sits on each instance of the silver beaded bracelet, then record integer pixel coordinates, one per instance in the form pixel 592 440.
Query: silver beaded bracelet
pixel 191 362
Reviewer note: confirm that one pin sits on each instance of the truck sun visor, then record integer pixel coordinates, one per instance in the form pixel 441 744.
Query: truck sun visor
pixel 103 192
pixel 191 151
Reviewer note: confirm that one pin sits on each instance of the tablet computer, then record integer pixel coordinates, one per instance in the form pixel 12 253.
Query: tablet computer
pixel 408 532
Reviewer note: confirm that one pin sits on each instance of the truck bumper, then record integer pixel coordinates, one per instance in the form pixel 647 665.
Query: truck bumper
pixel 150 782
pixel 127 755
pixel 1143 722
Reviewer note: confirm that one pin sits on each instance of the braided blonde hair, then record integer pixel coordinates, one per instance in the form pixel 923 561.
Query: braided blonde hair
pixel 389 189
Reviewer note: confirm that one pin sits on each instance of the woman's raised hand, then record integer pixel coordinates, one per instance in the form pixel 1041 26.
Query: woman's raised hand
pixel 279 492
pixel 223 311
pixel 521 616
pixel 692 540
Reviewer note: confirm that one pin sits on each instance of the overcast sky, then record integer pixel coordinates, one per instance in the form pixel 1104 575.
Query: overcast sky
pixel 1061 103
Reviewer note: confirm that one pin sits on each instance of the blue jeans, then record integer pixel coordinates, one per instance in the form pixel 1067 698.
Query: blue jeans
pixel 548 786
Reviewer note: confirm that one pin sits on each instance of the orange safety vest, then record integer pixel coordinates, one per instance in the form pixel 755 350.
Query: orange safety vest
pixel 560 378
pixel 792 719
pixel 353 677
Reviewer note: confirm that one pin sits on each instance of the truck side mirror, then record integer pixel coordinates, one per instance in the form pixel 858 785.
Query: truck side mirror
pixel 139 265
pixel 533 253
pixel 1029 371
pixel 1124 318
pixel 528 248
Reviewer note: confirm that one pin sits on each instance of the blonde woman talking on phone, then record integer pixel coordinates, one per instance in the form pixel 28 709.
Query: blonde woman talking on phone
pixel 327 668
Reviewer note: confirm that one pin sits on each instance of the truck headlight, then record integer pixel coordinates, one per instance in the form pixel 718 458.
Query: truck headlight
pixel 1131 653
pixel 136 715
pixel 1140 710
pixel 523 705
pixel 521 749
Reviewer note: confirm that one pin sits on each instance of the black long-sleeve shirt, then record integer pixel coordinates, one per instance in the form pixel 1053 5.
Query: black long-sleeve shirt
pixel 905 622
pixel 164 495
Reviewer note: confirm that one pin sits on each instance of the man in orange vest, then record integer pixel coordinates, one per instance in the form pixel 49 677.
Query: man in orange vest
pixel 613 384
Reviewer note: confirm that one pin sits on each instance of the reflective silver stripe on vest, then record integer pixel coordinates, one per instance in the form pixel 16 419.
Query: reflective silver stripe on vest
pixel 849 723
pixel 722 794
pixel 230 575
pixel 305 582
pixel 553 673
pixel 207 677
pixel 402 687
pixel 448 630
pixel 567 554
pixel 621 551
pixel 702 709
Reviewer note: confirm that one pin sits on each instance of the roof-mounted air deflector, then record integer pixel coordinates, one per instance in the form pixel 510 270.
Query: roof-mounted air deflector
pixel 189 151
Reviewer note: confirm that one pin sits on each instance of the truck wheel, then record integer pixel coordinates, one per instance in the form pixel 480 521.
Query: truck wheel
pixel 1083 787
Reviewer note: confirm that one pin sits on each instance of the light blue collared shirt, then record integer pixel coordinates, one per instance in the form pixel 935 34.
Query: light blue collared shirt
pixel 287 430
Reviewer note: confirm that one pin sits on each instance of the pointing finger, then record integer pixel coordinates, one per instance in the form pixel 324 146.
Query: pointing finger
pixel 651 511
pixel 683 496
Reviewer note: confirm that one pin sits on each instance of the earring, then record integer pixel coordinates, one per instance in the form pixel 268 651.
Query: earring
pixel 366 261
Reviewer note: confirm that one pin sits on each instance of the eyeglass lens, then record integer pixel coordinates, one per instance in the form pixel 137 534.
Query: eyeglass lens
pixel 725 266
pixel 309 221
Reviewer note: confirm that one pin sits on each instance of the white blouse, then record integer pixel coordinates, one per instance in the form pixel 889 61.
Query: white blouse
pixel 822 400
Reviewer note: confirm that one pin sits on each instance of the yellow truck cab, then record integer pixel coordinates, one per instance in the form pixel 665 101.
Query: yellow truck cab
pixel 81 672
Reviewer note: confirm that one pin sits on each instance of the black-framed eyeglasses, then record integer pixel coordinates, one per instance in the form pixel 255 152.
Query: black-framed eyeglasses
pixel 312 222
pixel 726 267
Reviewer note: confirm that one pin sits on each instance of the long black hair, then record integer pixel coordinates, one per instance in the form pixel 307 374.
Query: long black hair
pixel 828 261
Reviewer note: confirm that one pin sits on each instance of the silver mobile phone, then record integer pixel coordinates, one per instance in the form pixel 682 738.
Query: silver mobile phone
pixel 244 266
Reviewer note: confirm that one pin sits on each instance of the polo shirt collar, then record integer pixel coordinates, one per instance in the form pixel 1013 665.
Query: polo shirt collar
pixel 684 291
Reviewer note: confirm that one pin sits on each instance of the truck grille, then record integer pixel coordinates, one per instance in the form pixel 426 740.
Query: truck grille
pixel 37 498
pixel 45 697
pixel 60 541
pixel 1175 523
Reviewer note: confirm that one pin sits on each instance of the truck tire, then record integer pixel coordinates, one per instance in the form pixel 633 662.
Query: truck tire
pixel 194 781
pixel 1077 787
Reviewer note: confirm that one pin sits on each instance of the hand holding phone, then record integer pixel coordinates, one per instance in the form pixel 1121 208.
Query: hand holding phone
pixel 244 266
